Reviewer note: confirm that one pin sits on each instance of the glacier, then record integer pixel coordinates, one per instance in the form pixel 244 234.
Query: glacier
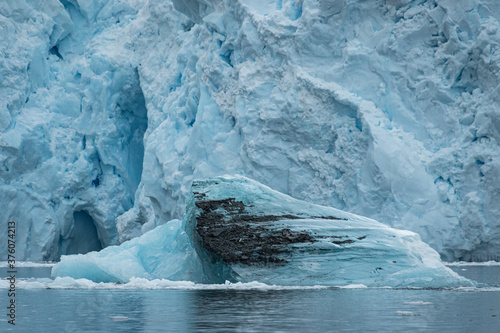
pixel 109 109
pixel 238 230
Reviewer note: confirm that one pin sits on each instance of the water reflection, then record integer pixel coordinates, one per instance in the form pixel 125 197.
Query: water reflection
pixel 320 310
pixel 256 310
pixel 376 310
pixel 247 311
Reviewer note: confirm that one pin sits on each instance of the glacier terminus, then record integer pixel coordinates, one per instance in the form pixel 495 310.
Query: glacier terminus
pixel 111 109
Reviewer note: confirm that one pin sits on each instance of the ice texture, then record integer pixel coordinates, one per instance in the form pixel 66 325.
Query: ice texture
pixel 163 253
pixel 238 230
pixel 110 108
pixel 72 121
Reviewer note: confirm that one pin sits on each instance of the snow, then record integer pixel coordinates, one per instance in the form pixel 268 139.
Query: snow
pixel 375 255
pixel 28 264
pixel 463 263
pixel 110 108
pixel 162 284
pixel 145 284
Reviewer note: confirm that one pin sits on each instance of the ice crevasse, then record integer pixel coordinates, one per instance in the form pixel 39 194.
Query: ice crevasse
pixel 109 109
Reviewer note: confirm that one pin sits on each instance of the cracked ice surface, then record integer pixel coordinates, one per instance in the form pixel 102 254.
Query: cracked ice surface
pixel 387 110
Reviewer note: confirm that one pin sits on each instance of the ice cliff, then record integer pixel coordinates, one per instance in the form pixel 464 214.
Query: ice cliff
pixel 110 108
pixel 238 230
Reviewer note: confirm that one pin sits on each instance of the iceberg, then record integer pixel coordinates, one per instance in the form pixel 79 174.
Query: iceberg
pixel 236 229
pixel 165 252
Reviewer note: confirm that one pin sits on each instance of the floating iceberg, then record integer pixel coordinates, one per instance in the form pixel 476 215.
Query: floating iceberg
pixel 164 252
pixel 236 229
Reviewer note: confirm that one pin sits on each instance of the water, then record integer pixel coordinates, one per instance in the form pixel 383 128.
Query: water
pixel 251 307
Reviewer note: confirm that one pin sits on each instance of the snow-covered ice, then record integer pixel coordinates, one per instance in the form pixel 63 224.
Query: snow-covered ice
pixel 110 108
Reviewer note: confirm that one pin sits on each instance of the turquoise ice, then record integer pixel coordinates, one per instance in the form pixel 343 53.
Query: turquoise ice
pixel 109 109
pixel 340 248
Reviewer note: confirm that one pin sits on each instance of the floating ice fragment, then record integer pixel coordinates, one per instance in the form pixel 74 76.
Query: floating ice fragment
pixel 238 230
pixel 406 313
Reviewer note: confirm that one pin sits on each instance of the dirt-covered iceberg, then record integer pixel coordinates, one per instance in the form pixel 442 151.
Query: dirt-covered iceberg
pixel 236 229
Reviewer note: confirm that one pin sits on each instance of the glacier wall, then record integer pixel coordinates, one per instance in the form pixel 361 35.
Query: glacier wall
pixel 109 109
pixel 73 118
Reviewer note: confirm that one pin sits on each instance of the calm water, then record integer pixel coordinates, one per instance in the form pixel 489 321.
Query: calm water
pixel 255 310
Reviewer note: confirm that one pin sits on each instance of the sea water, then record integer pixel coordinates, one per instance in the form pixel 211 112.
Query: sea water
pixel 67 305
